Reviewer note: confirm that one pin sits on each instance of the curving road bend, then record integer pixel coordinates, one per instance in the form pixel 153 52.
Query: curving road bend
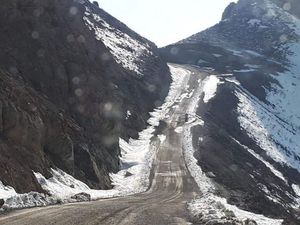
pixel 164 203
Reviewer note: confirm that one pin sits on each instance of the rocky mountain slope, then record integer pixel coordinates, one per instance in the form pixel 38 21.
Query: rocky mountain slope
pixel 73 80
pixel 249 144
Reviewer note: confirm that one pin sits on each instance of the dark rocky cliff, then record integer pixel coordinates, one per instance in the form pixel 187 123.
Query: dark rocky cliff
pixel 65 97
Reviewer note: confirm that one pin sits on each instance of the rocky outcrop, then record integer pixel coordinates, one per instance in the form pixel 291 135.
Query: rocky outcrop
pixel 65 99
pixel 229 11
pixel 82 197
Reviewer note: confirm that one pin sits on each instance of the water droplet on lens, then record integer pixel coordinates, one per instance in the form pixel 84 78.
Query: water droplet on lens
pixel 41 53
pixel 73 10
pixel 105 57
pixel 174 50
pixel 13 70
pixel 108 107
pixel 78 92
pixel 80 108
pixel 35 35
pixel 38 12
pixel 76 80
pixel 70 38
pixel 81 39
pixel 287 6
pixel 151 88
pixel 157 103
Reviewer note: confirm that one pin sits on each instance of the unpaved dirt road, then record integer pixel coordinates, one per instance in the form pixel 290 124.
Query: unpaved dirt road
pixel 163 204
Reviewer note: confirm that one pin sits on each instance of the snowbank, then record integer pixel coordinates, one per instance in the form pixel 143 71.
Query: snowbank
pixel 14 200
pixel 6 191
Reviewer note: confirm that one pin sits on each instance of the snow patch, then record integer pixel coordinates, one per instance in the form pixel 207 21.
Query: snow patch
pixel 179 130
pixel 128 114
pixel 6 191
pixel 126 51
pixel 245 70
pixel 254 22
pixel 162 138
pixel 217 55
pixel 61 185
pixel 210 87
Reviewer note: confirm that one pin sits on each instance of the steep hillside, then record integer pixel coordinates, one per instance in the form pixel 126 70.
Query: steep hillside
pixel 250 138
pixel 73 81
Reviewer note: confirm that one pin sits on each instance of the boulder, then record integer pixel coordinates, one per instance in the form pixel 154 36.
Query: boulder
pixel 249 222
pixel 82 197
pixel 1 202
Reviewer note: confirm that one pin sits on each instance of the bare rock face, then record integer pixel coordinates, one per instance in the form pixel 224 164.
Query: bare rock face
pixel 64 95
pixel 230 10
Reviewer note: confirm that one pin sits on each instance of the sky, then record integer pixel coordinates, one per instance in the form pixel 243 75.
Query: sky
pixel 166 21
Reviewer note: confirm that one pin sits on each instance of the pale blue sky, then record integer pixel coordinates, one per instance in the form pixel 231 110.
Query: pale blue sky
pixel 166 21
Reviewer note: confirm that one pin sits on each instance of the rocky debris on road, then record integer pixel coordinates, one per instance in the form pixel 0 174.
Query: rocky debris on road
pixel 249 222
pixel 1 202
pixel 82 197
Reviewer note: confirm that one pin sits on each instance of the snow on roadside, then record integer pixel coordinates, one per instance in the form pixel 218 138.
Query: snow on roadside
pixel 6 191
pixel 136 163
pixel 138 155
pixel 64 187
pixel 209 207
pixel 14 200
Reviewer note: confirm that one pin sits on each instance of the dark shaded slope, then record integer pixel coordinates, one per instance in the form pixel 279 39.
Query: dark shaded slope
pixel 64 96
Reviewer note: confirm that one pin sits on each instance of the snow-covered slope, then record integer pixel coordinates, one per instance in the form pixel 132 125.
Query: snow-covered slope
pixel 126 51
